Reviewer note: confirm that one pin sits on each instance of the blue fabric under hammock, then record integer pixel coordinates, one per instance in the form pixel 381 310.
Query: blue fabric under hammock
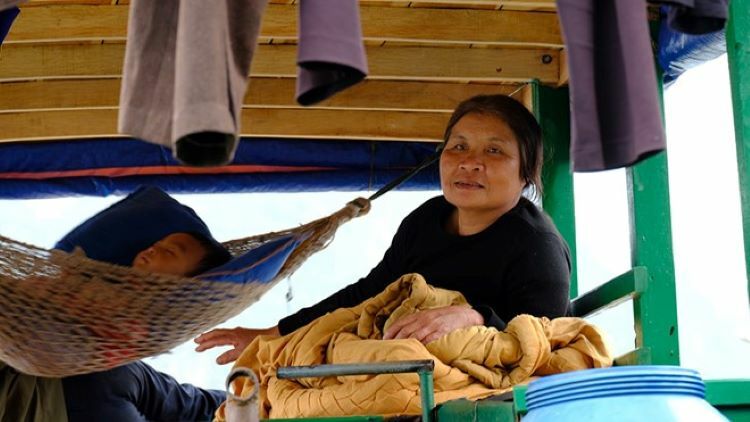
pixel 260 265
pixel 118 233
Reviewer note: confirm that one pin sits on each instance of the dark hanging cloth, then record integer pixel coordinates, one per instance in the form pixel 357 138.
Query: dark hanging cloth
pixel 678 52
pixel 331 56
pixel 187 64
pixel 7 16
pixel 697 16
pixel 615 113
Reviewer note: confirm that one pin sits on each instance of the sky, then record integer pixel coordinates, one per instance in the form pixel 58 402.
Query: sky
pixel 714 318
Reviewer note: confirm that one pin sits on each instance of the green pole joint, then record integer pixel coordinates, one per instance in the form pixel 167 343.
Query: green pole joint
pixel 427 393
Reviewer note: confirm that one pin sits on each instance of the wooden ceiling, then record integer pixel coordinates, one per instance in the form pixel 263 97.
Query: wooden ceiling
pixel 61 65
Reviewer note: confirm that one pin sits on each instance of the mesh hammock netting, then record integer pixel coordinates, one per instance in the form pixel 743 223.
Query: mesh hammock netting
pixel 64 314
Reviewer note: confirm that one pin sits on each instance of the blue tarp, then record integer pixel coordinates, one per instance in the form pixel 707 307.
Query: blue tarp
pixel 102 167
pixel 678 52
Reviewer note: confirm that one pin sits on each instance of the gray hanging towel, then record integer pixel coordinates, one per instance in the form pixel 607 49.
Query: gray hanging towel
pixel 697 16
pixel 331 56
pixel 615 113
pixel 185 74
pixel 186 68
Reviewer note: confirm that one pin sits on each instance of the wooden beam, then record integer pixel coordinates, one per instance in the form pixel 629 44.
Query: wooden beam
pixel 41 3
pixel 526 5
pixel 345 124
pixel 78 22
pixel 461 25
pixel 43 61
pixel 262 92
pixel 564 72
pixel 414 96
pixel 69 22
pixel 539 5
pixel 298 123
pixel 59 94
pixel 36 61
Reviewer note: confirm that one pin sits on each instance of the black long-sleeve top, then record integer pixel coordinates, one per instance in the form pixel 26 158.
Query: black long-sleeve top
pixel 517 265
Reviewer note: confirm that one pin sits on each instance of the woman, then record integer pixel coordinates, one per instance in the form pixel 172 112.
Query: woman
pixel 482 237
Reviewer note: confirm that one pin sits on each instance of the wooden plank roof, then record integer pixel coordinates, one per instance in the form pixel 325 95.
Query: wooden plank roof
pixel 61 65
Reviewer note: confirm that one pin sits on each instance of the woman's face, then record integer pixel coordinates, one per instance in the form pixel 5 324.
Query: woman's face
pixel 480 165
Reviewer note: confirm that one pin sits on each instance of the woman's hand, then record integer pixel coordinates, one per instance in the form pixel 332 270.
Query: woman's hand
pixel 431 324
pixel 238 338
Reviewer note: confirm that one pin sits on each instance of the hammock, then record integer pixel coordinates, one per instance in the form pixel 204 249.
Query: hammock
pixel 64 314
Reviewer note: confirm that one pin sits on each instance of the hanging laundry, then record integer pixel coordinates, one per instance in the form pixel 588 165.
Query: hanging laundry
pixel 331 56
pixel 187 64
pixel 615 112
pixel 677 51
pixel 7 16
pixel 697 16
pixel 186 69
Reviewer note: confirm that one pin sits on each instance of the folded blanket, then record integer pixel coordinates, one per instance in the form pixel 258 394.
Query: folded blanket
pixel 474 362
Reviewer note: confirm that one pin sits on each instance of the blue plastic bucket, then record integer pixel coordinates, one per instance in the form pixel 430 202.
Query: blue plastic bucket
pixel 624 393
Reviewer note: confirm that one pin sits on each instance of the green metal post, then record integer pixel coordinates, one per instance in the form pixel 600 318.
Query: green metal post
pixel 651 243
pixel 738 50
pixel 427 393
pixel 655 311
pixel 552 110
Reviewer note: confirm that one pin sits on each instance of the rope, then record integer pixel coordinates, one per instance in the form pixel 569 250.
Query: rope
pixel 408 175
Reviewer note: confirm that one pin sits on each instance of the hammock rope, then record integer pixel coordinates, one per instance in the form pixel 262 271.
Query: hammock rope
pixel 64 314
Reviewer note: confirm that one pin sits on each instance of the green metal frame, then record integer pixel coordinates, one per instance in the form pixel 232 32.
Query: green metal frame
pixel 630 285
pixel 422 367
pixel 463 410
pixel 655 308
pixel 738 51
pixel 731 397
pixel 550 106
pixel 651 247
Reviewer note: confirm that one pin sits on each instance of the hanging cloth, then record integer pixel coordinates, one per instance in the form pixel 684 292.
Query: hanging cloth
pixel 7 17
pixel 696 16
pixel 187 65
pixel 616 116
pixel 615 113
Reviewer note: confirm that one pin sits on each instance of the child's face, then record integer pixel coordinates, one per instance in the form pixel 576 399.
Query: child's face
pixel 177 254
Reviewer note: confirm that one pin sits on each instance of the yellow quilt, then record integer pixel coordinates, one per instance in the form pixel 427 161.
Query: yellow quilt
pixel 473 363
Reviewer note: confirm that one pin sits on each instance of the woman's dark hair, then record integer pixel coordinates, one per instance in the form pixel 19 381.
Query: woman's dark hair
pixel 216 254
pixel 524 127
